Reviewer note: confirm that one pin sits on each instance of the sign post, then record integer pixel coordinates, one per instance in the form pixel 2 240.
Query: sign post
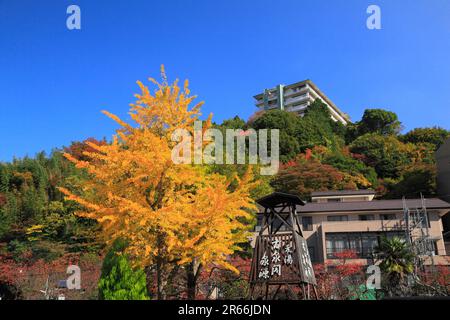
pixel 280 258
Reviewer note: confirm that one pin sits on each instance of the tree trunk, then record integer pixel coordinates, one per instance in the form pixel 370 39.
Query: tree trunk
pixel 160 272
pixel 192 272
pixel 159 291
pixel 150 279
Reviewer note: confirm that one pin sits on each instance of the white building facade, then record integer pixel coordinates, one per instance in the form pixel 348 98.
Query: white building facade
pixel 296 98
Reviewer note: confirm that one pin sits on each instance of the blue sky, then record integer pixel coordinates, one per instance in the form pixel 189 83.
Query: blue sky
pixel 54 82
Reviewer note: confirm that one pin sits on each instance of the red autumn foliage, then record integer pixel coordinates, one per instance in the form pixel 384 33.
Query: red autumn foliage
pixel 359 157
pixel 303 176
pixel 242 264
pixel 290 163
pixel 3 200
pixel 77 149
pixel 345 255
pixel 439 276
pixel 215 276
pixel 333 279
pixel 244 133
pixel 255 116
pixel 327 281
pixel 308 154
pixel 30 278
pixel 348 269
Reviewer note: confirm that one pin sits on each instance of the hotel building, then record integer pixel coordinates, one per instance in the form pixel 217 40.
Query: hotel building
pixel 335 221
pixel 443 185
pixel 296 98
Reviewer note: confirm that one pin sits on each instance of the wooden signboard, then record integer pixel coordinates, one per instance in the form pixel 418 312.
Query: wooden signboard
pixel 281 256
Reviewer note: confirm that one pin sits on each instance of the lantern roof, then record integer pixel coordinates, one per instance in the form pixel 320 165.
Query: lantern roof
pixel 277 198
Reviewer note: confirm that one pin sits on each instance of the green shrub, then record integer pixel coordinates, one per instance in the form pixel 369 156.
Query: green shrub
pixel 46 250
pixel 17 249
pixel 119 281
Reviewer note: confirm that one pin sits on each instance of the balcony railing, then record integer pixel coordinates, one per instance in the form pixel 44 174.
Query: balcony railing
pixel 291 92
pixel 301 98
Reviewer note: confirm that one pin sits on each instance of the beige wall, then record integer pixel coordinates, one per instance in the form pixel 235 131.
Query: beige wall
pixel 316 237
pixel 443 165
pixel 443 177
pixel 321 226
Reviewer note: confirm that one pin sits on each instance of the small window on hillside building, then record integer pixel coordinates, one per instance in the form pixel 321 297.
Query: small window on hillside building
pixel 337 218
pixel 389 216
pixel 307 223
pixel 366 217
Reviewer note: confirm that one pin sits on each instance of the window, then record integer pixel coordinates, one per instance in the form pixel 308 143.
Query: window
pixel 366 217
pixel 362 243
pixel 334 200
pixel 368 244
pixel 307 223
pixel 337 218
pixel 390 235
pixel 389 216
pixel 335 244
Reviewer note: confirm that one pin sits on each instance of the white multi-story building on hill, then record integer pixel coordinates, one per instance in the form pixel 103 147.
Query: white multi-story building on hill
pixel 296 98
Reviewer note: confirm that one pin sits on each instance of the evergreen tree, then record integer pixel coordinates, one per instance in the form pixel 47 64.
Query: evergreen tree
pixel 119 281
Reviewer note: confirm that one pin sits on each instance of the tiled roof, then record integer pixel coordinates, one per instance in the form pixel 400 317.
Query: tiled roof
pixel 315 207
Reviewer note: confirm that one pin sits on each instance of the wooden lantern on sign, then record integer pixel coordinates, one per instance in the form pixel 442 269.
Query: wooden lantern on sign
pixel 280 258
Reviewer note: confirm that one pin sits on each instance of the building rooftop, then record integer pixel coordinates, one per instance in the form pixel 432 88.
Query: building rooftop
pixel 376 205
pixel 297 84
pixel 342 193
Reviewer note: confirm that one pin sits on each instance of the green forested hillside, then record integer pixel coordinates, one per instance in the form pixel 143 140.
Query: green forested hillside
pixel 317 154
pixel 320 154
pixel 35 220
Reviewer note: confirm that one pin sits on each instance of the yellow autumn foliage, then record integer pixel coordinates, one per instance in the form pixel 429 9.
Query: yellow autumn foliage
pixel 178 212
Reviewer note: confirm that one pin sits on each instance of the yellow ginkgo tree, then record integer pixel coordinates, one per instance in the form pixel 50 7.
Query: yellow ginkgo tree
pixel 172 215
